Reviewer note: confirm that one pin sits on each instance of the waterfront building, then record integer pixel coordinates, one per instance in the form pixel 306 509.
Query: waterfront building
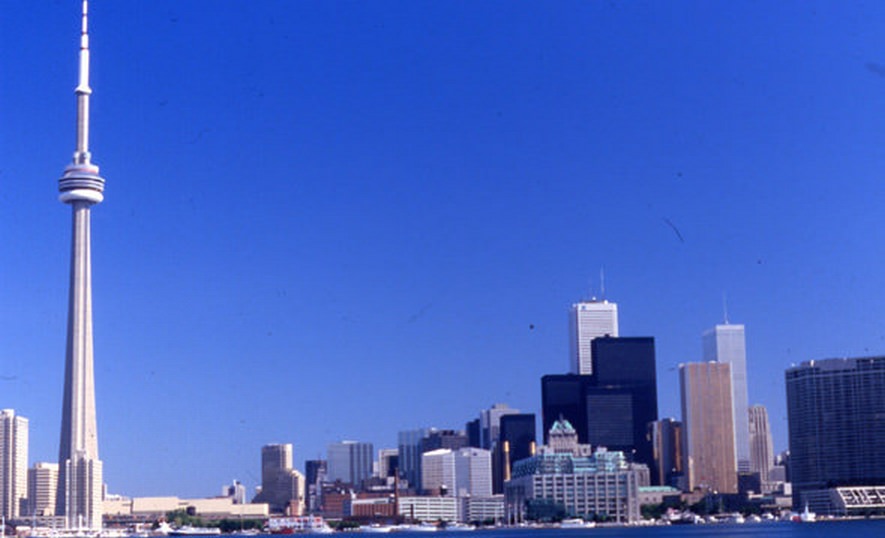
pixel 42 489
pixel 707 422
pixel 562 480
pixel 516 441
pixel 761 449
pixel 149 509
pixel 13 463
pixel 666 437
pixel 726 343
pixel 430 509
pixel 409 447
pixel 282 487
pixel 482 509
pixel 588 320
pixel 856 501
pixel 79 496
pixel 837 433
pixel 350 462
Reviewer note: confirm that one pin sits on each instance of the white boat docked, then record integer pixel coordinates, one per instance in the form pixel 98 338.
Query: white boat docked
pixel 576 523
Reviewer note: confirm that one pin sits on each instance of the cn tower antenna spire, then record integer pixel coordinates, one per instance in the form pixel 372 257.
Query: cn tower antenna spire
pixel 83 91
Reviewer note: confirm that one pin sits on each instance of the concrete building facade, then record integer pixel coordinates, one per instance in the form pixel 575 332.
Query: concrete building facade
pixel 13 463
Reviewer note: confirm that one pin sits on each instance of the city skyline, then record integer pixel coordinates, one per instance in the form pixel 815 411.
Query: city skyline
pixel 398 205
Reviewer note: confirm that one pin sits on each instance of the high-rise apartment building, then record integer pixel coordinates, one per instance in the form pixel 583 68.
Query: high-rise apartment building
pixel 80 483
pixel 13 463
pixel 282 487
pixel 707 422
pixel 761 449
pixel 836 413
pixel 589 320
pixel 726 343
pixel 42 489
pixel 350 462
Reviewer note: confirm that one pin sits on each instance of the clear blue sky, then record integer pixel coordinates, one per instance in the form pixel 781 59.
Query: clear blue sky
pixel 338 220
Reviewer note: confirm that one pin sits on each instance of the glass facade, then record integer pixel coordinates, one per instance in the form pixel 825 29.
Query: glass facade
pixel 836 413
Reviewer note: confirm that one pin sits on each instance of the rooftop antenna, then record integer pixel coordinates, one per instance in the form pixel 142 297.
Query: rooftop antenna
pixel 725 307
pixel 602 283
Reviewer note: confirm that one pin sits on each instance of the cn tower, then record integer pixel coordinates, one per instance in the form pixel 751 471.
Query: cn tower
pixel 80 474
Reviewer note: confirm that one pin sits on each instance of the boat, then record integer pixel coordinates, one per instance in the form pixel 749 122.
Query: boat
pixel 376 528
pixel 187 530
pixel 806 516
pixel 298 525
pixel 459 527
pixel 576 523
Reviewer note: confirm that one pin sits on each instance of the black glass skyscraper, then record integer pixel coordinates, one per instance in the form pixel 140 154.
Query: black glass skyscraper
pixel 516 440
pixel 835 409
pixel 613 406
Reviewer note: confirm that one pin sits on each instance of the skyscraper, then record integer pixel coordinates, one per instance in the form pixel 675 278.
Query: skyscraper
pixel 589 320
pixel 624 398
pixel 350 462
pixel 80 471
pixel 726 343
pixel 836 413
pixel 516 441
pixel 490 423
pixel 282 487
pixel 706 418
pixel 666 440
pixel 13 463
pixel 761 450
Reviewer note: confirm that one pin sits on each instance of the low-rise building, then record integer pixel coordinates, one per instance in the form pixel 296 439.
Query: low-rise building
pixel 560 481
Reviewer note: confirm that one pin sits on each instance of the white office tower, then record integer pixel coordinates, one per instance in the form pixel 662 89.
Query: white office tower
pixel 725 343
pixel 589 320
pixel 761 452
pixel 466 472
pixel 13 463
pixel 42 487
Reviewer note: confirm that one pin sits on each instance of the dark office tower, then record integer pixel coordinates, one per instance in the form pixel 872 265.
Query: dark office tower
pixel 436 439
pixel 315 475
pixel 474 438
pixel 623 397
pixel 666 440
pixel 409 447
pixel 516 441
pixel 835 409
pixel 564 396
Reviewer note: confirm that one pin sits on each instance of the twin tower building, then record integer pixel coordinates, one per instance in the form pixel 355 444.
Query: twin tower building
pixel 610 397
